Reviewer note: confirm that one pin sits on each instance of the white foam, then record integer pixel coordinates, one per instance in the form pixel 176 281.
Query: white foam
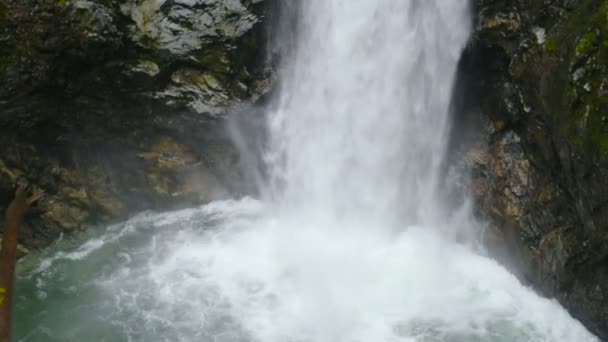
pixel 293 280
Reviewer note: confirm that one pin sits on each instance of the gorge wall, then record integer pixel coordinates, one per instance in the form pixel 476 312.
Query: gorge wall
pixel 114 107
pixel 536 108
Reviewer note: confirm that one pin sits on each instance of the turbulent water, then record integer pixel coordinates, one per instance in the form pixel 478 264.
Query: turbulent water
pixel 350 242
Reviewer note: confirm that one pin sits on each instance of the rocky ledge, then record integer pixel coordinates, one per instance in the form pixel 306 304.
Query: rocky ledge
pixel 114 107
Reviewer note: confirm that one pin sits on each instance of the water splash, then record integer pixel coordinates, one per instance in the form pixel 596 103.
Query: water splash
pixel 235 271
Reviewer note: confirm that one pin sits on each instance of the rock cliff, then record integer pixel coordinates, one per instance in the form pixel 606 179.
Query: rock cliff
pixel 537 82
pixel 114 107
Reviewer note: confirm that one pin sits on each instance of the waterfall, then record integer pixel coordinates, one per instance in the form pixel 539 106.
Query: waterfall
pixel 362 123
pixel 348 244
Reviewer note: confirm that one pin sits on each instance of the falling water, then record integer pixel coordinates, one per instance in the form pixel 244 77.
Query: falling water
pixel 347 247
pixel 362 121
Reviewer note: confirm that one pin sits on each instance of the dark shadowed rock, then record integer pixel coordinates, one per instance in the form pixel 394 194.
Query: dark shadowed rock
pixel 115 107
pixel 540 173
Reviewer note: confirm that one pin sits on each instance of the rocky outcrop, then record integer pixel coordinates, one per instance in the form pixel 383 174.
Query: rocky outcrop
pixel 116 107
pixel 537 80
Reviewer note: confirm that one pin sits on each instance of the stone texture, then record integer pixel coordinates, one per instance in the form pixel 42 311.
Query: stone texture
pixel 115 107
pixel 535 72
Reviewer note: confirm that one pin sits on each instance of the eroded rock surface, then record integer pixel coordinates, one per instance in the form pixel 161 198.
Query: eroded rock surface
pixel 540 159
pixel 114 107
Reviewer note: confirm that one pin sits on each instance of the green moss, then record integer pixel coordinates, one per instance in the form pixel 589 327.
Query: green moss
pixel 586 43
pixel 588 127
pixel 552 45
pixel 63 2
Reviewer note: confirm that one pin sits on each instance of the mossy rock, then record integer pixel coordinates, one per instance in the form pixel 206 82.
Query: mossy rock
pixel 552 45
pixel 571 77
pixel 587 43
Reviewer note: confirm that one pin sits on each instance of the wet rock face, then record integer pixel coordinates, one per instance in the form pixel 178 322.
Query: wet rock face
pixel 540 84
pixel 183 26
pixel 216 40
pixel 115 107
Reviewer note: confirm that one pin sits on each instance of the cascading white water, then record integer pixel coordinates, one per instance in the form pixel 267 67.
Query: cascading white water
pixel 361 127
pixel 349 247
